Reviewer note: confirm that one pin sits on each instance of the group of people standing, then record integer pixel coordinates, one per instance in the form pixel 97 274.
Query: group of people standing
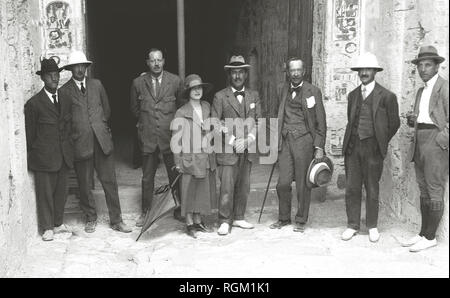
pixel 69 127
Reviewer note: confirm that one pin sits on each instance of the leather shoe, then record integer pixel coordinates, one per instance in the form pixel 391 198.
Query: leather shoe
pixel 279 224
pixel 90 226
pixel 191 231
pixel 348 234
pixel 121 227
pixel 201 227
pixel 299 227
pixel 242 224
pixel 140 220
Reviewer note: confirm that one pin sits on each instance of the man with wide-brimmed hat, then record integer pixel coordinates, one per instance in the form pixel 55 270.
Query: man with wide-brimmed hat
pixel 154 99
pixel 48 127
pixel 235 102
pixel 429 150
pixel 373 119
pixel 302 130
pixel 93 145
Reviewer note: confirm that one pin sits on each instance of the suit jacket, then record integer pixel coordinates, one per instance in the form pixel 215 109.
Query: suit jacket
pixel 90 116
pixel 195 164
pixel 315 116
pixel 438 110
pixel 154 113
pixel 48 133
pixel 226 106
pixel 385 116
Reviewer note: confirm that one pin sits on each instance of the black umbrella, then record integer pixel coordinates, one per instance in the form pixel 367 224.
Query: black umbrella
pixel 161 205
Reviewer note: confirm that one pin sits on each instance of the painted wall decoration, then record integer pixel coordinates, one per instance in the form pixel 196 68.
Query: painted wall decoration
pixel 57 25
pixel 346 15
pixel 345 80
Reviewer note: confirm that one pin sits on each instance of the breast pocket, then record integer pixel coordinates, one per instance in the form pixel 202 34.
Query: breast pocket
pixel 169 105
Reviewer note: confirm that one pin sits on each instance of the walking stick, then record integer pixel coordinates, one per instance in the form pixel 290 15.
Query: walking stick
pixel 265 195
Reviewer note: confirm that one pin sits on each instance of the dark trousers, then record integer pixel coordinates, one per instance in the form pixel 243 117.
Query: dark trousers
pixel 431 165
pixel 106 173
pixel 294 159
pixel 234 189
pixel 51 195
pixel 150 162
pixel 363 165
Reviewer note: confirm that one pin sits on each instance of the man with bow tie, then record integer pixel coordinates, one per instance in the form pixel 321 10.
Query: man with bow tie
pixel 235 102
pixel 373 120
pixel 301 137
pixel 48 117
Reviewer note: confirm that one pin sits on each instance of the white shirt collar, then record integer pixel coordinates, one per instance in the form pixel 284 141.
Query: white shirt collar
pixel 432 82
pixel 50 95
pixel 158 78
pixel 369 87
pixel 79 82
pixel 234 90
pixel 301 85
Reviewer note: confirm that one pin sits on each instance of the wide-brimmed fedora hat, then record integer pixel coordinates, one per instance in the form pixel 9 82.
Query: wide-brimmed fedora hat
pixel 77 57
pixel 319 172
pixel 367 60
pixel 428 52
pixel 194 80
pixel 48 65
pixel 236 62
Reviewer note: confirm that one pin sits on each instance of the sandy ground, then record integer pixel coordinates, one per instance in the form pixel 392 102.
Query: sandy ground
pixel 166 251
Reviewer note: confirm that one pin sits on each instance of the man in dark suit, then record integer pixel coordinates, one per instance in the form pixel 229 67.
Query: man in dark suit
pixel 301 132
pixel 93 144
pixel 429 150
pixel 373 120
pixel 154 99
pixel 241 103
pixel 48 126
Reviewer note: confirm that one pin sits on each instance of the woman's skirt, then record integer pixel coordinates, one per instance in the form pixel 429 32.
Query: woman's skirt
pixel 198 195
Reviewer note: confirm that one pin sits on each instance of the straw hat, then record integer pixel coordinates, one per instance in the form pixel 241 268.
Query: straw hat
pixel 236 62
pixel 319 172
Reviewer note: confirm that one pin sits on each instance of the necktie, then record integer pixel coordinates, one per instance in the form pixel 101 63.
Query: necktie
pixel 295 91
pixel 55 102
pixel 363 92
pixel 157 87
pixel 83 90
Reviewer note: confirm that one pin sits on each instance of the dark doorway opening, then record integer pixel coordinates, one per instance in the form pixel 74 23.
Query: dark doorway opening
pixel 120 32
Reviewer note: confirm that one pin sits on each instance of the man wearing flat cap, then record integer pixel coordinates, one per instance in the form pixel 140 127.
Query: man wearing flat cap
pixel 154 98
pixel 93 145
pixel 49 147
pixel 373 119
pixel 235 102
pixel 301 138
pixel 429 150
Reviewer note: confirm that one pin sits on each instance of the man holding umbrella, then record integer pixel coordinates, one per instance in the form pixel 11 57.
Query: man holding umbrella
pixel 93 143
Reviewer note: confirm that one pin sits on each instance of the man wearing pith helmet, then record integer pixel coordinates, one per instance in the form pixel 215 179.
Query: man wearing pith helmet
pixel 93 145
pixel 234 164
pixel 429 151
pixel 373 120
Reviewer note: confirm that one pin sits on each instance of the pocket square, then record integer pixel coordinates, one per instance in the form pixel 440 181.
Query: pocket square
pixel 310 102
pixel 252 105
